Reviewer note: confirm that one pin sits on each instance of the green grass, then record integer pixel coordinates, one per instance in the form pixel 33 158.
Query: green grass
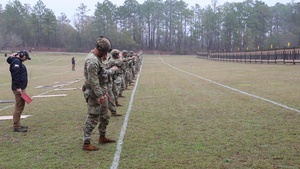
pixel 177 120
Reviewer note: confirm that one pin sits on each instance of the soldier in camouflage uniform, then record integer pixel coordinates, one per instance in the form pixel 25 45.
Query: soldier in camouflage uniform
pixel 123 71
pixel 117 77
pixel 132 67
pixel 128 64
pixel 95 92
pixel 112 89
pixel 140 57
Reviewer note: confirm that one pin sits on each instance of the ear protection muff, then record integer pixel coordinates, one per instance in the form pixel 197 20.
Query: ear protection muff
pixel 21 54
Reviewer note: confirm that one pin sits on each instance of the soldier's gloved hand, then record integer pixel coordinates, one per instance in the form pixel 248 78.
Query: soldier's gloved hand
pixel 115 68
pixel 108 97
pixel 101 100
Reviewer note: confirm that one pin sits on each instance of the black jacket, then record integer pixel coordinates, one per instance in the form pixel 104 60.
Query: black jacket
pixel 18 73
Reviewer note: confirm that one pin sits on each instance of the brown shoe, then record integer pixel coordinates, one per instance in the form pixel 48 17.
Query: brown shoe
pixel 89 147
pixel 117 104
pixel 104 140
pixel 116 114
pixel 20 129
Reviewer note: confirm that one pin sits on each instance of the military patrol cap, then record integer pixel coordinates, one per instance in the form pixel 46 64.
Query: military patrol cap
pixel 115 52
pixel 103 44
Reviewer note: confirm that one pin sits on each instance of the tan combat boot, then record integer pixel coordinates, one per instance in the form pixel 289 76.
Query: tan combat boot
pixel 89 147
pixel 104 140
pixel 118 104
pixel 116 114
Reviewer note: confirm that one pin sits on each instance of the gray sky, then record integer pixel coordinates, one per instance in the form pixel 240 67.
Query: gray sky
pixel 69 6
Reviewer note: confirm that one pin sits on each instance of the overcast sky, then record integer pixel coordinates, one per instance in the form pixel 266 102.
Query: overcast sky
pixel 69 6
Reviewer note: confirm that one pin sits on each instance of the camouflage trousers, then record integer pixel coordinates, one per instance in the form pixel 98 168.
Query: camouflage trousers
pixel 96 114
pixel 122 85
pixel 117 86
pixel 132 72
pixel 128 78
pixel 111 100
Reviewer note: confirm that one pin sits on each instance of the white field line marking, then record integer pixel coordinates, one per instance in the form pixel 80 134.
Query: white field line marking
pixel 115 162
pixel 75 64
pixel 4 84
pixel 242 92
pixel 4 108
pixel 38 77
pixel 11 117
pixel 53 95
pixel 9 83
pixel 53 61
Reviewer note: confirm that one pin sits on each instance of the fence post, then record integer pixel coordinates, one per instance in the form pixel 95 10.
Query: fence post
pixel 284 56
pixel 294 55
pixel 261 56
pixel 275 56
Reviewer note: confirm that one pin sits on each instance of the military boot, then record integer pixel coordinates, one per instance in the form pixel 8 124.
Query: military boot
pixel 104 140
pixel 25 127
pixel 20 129
pixel 117 104
pixel 89 147
pixel 115 114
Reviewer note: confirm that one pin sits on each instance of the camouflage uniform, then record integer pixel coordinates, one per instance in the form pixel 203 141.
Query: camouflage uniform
pixel 117 77
pixel 123 73
pixel 111 100
pixel 96 81
pixel 132 70
pixel 127 61
pixel 95 90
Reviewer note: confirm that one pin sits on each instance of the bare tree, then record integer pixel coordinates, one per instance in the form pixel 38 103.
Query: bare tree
pixel 14 40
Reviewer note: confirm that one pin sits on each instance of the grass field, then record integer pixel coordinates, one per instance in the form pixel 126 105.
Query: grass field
pixel 186 113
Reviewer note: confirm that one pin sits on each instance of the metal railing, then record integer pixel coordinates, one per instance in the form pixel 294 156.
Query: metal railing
pixel 287 55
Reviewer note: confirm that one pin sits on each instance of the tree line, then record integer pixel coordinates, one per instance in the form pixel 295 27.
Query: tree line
pixel 169 25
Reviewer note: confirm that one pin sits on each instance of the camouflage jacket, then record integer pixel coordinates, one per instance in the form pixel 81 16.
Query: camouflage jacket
pixel 116 62
pixel 96 75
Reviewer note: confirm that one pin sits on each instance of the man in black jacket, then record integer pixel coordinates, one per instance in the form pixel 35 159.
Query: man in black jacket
pixel 73 63
pixel 18 85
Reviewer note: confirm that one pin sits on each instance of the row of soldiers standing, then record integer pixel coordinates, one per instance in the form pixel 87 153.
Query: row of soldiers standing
pixel 129 65
pixel 101 87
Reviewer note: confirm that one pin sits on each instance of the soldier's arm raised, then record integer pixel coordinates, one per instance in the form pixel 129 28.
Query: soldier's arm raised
pixel 112 70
